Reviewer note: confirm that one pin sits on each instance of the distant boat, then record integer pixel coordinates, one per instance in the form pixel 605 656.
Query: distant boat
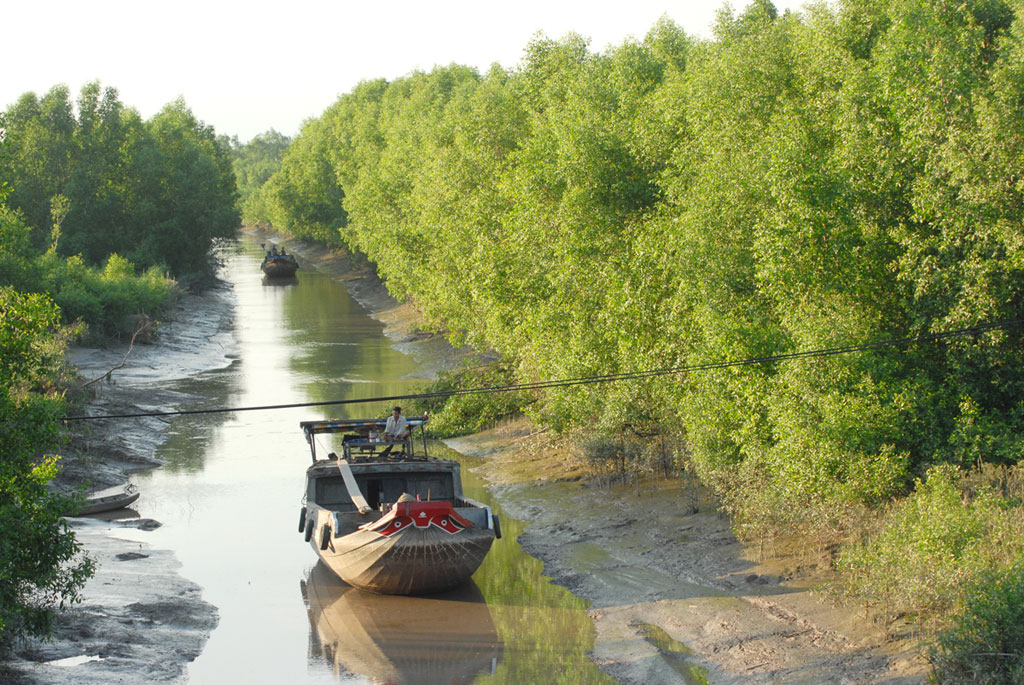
pixel 279 266
pixel 395 524
pixel 118 500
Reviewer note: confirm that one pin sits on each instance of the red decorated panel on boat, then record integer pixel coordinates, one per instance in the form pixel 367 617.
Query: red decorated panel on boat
pixel 419 515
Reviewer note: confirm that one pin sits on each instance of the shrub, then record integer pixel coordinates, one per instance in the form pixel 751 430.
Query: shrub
pixel 109 301
pixel 616 454
pixel 986 642
pixel 463 414
pixel 40 562
pixel 934 545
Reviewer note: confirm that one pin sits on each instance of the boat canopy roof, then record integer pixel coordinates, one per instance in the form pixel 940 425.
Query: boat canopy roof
pixel 345 425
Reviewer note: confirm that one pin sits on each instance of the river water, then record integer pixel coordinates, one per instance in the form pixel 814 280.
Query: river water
pixel 230 495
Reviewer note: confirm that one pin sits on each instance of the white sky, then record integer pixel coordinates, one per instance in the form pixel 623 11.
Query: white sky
pixel 247 67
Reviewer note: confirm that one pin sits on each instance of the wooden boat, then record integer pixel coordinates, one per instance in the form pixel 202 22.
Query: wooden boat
pixel 443 639
pixel 118 500
pixel 387 518
pixel 279 266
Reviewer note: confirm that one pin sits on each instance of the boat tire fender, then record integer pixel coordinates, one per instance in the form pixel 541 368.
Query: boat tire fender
pixel 302 520
pixel 497 526
pixel 325 536
pixel 309 529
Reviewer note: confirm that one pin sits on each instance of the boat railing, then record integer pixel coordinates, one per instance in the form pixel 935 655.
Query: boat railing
pixel 369 448
pixel 361 438
pixel 477 512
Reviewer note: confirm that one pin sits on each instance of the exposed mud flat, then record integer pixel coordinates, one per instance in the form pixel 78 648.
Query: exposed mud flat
pixel 139 620
pixel 674 595
pixel 126 379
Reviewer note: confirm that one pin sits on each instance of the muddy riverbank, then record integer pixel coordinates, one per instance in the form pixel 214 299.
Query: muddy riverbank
pixel 139 620
pixel 675 598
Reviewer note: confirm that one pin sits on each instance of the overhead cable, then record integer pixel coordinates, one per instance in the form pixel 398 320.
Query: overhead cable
pixel 589 380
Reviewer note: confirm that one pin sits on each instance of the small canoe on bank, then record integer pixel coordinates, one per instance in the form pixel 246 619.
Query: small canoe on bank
pixel 118 500
pixel 385 517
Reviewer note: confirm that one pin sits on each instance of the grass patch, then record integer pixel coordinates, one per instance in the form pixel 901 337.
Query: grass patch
pixel 676 651
pixel 471 413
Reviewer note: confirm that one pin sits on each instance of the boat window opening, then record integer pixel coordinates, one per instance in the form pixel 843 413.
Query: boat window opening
pixel 431 488
pixel 331 492
pixel 381 489
pixel 374 486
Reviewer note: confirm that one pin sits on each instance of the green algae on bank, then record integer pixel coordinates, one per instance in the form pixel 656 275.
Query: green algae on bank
pixel 676 651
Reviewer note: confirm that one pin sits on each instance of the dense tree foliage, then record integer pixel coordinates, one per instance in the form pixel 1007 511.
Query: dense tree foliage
pixel 108 299
pixel 254 163
pixel 40 564
pixel 798 182
pixel 303 197
pixel 93 179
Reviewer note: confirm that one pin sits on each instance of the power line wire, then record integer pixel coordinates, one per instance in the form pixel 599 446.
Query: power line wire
pixel 588 380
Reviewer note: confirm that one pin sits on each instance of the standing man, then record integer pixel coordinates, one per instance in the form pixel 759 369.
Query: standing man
pixel 396 430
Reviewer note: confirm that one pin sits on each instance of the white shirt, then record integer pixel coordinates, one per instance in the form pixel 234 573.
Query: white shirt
pixel 394 429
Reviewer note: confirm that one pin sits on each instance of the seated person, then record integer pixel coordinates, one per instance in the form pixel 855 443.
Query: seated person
pixel 396 430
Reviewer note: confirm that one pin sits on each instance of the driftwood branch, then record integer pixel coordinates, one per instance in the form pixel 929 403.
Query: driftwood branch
pixel 144 324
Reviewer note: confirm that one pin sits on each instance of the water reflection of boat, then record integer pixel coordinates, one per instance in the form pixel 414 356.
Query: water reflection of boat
pixel 448 638
pixel 391 523
pixel 279 280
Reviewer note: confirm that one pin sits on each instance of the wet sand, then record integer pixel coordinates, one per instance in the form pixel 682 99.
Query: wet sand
pixel 675 597
pixel 139 621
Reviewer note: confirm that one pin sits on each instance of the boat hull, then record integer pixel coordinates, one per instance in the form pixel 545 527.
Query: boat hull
pixel 413 560
pixel 98 505
pixel 279 267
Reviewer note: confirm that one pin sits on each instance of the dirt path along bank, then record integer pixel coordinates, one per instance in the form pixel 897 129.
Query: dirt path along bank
pixel 675 597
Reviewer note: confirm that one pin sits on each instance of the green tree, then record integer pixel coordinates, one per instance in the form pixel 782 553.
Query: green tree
pixel 254 163
pixel 41 567
pixel 190 197
pixel 303 197
pixel 797 182
pixel 94 189
pixel 161 192
pixel 40 142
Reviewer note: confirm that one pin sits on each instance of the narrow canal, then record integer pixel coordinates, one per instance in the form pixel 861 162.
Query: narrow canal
pixel 229 501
